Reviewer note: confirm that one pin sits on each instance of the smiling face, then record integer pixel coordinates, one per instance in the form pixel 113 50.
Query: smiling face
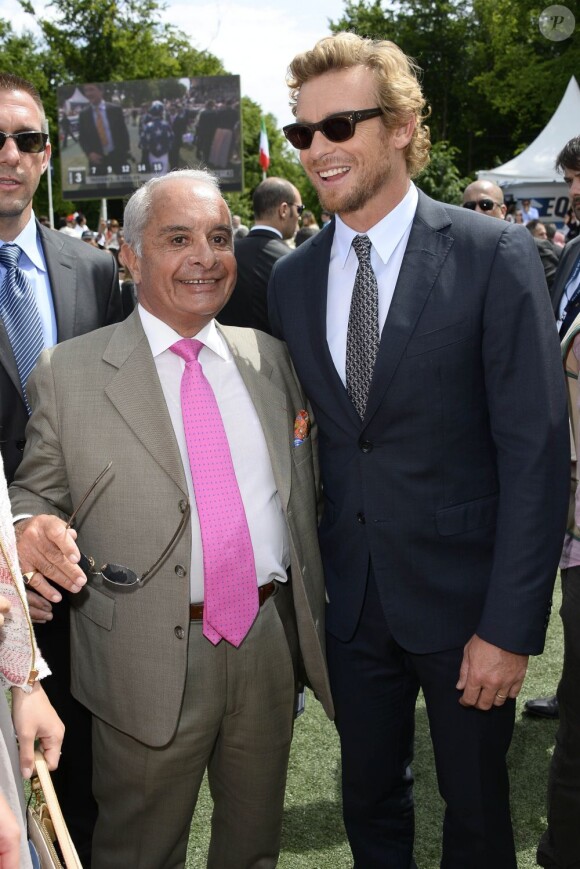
pixel 187 270
pixel 365 177
pixel 19 173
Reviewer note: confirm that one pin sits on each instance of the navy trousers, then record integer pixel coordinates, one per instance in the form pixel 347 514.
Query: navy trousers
pixel 375 684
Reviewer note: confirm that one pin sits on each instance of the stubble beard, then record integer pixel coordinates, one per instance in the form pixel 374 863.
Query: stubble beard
pixel 375 177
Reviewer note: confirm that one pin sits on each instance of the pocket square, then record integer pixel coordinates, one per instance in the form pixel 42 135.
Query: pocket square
pixel 301 427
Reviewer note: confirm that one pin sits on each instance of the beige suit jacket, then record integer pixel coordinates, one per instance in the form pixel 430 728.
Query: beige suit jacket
pixel 98 399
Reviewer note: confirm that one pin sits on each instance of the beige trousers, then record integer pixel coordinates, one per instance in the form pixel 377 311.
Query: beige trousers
pixel 236 722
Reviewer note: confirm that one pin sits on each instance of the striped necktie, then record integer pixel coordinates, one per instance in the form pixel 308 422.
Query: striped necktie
pixel 20 315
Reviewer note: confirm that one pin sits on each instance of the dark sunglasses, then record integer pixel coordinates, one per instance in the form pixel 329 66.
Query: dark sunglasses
pixel 299 208
pixel 27 143
pixel 484 204
pixel 115 573
pixel 336 128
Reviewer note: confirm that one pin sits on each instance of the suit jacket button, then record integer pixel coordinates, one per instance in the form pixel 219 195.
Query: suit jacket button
pixel 179 632
pixel 20 445
pixel 366 446
pixel 360 518
pixel 182 505
pixel 180 570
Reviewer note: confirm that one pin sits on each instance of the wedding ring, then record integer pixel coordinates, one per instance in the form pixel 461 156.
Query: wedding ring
pixel 501 696
pixel 28 576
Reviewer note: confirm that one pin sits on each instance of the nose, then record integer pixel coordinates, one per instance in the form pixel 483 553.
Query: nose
pixel 320 146
pixel 9 153
pixel 202 253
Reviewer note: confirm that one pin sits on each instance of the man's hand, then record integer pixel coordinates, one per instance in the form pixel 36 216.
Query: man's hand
pixel 47 548
pixel 489 675
pixel 40 609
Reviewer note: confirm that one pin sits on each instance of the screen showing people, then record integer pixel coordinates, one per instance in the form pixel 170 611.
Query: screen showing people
pixel 115 135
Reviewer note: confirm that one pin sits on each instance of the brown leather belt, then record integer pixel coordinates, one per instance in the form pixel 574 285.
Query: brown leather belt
pixel 264 592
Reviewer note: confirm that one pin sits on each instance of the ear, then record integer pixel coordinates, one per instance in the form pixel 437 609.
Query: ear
pixel 46 157
pixel 402 135
pixel 127 255
pixel 503 209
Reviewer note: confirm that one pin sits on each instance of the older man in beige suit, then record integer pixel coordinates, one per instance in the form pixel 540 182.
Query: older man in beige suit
pixel 168 702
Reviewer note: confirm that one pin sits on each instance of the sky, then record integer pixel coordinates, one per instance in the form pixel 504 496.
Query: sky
pixel 255 40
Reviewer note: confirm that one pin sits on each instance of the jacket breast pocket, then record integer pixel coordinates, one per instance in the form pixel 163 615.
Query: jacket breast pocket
pixel 438 338
pixel 94 605
pixel 303 452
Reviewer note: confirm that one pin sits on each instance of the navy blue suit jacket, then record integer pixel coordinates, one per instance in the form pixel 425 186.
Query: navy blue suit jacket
pixel 454 487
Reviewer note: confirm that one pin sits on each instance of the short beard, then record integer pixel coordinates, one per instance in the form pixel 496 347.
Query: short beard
pixel 14 210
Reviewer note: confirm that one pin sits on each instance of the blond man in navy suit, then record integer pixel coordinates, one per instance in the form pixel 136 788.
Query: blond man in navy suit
pixel 445 489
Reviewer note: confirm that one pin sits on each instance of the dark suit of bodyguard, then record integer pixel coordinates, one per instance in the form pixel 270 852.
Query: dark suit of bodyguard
pixel 444 505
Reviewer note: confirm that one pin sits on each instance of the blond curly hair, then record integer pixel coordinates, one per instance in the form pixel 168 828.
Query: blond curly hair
pixel 396 78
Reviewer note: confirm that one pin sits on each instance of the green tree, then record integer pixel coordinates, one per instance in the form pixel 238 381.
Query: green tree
pixel 526 74
pixel 442 179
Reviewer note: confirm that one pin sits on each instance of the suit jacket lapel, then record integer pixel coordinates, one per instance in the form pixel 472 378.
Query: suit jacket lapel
pixel 426 251
pixel 316 295
pixel 62 273
pixel 270 402
pixel 136 393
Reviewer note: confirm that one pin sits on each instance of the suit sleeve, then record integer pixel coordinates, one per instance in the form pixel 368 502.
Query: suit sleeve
pixel 41 481
pixel 527 406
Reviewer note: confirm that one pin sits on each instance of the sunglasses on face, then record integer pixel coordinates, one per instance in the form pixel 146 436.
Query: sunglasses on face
pixel 29 142
pixel 116 574
pixel 484 204
pixel 299 208
pixel 336 128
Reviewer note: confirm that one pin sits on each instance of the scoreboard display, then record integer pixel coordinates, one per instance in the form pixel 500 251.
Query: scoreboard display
pixel 113 136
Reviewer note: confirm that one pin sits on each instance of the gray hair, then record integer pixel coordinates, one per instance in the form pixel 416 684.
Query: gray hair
pixel 137 209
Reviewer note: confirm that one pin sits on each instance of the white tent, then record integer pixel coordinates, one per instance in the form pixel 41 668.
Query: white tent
pixel 77 101
pixel 535 165
pixel 531 175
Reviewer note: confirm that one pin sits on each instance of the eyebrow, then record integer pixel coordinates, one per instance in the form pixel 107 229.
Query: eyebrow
pixel 177 228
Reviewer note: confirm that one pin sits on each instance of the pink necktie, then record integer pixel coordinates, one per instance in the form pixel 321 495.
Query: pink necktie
pixel 229 570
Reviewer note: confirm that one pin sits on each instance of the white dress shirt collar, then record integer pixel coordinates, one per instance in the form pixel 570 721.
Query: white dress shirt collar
pixel 29 242
pixel 268 228
pixel 384 235
pixel 161 336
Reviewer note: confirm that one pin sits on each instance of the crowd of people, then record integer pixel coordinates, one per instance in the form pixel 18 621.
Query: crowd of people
pixel 344 466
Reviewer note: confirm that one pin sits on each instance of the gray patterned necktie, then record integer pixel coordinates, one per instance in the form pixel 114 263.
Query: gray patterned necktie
pixel 20 315
pixel 362 339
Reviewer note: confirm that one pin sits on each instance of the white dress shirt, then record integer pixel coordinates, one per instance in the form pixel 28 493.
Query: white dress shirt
pixel 268 228
pixel 251 460
pixel 389 239
pixel 33 264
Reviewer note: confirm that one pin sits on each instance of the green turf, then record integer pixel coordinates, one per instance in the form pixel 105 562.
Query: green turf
pixel 313 835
